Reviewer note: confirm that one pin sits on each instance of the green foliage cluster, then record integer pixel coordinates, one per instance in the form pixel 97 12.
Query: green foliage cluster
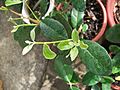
pixel 62 28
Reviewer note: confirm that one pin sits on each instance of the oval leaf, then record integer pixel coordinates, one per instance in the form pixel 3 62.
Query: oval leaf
pixel 96 58
pixel 83 45
pixel 75 35
pixel 65 45
pixel 73 53
pixel 12 2
pixel 76 18
pixel 47 52
pixel 32 34
pixel 84 27
pixel 27 49
pixel 53 29
pixel 63 70
pixel 113 34
pixel 91 79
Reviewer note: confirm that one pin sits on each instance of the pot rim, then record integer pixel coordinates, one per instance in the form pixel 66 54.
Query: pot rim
pixel 116 87
pixel 104 24
pixel 110 9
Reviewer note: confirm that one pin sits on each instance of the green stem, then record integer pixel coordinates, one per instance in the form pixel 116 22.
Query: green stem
pixel 26 25
pixel 53 42
pixel 32 12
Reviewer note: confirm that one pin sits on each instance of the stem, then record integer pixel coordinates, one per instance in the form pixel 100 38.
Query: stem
pixel 18 14
pixel 32 12
pixel 54 42
pixel 26 25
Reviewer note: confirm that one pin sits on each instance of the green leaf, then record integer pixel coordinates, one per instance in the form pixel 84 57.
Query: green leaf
pixel 59 17
pixel 3 8
pixel 107 79
pixel 96 58
pixel 74 88
pixel 113 34
pixel 65 45
pixel 75 78
pixel 12 2
pixel 95 87
pixel 79 5
pixel 73 53
pixel 43 3
pixel 32 34
pixel 84 27
pixel 27 49
pixel 115 70
pixel 91 79
pixel 47 52
pixel 114 49
pixel 83 45
pixel 76 18
pixel 53 29
pixel 106 86
pixel 116 60
pixel 63 70
pixel 75 35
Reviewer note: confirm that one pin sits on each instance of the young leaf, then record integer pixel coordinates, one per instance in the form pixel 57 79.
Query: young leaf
pixel 12 2
pixel 73 53
pixel 15 28
pixel 96 58
pixel 117 78
pixel 3 8
pixel 48 53
pixel 113 34
pixel 63 70
pixel 74 88
pixel 91 79
pixel 115 70
pixel 83 45
pixel 65 45
pixel 75 35
pixel 76 18
pixel 52 29
pixel 27 49
pixel 32 34
pixel 28 42
pixel 84 27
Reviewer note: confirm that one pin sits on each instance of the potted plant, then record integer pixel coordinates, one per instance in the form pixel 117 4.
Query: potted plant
pixel 65 30
pixel 113 36
pixel 112 8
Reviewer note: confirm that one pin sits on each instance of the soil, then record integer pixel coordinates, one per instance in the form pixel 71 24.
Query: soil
pixel 93 18
pixel 117 12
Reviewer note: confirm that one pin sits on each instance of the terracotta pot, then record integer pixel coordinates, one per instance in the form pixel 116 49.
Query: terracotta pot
pixel 104 24
pixel 110 8
pixel 115 87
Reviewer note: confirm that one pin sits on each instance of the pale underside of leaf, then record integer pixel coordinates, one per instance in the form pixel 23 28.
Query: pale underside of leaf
pixel 50 9
pixel 25 14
